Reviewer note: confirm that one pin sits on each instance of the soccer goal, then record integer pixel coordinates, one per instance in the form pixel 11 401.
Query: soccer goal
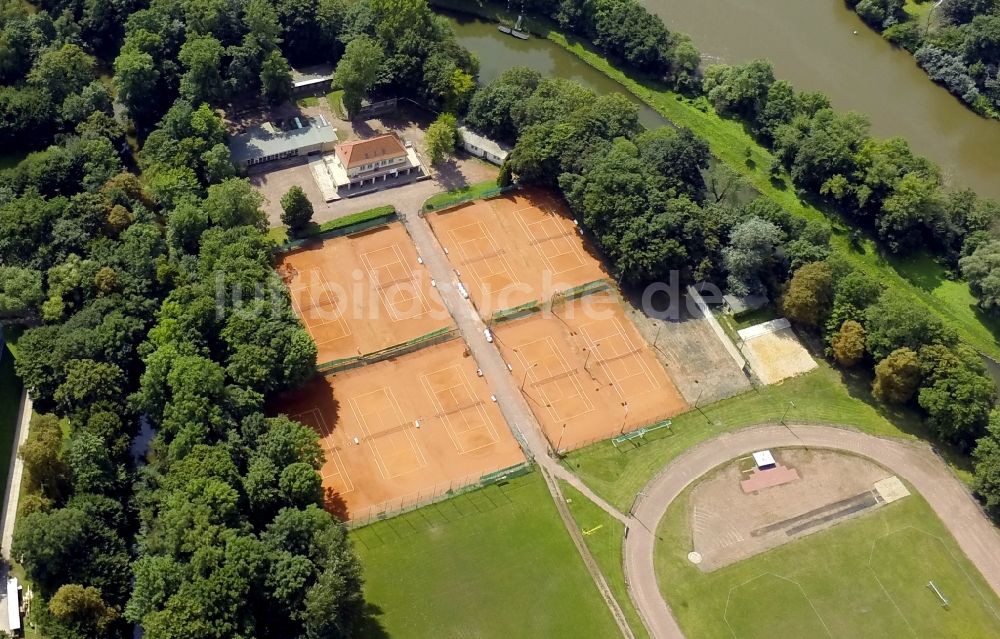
pixel 640 433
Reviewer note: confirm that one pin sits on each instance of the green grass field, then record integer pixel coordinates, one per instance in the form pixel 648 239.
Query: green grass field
pixel 491 564
pixel 866 577
pixel 822 396
pixel 604 535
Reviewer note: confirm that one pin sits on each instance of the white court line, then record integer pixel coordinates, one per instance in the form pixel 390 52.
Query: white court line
pixel 630 348
pixel 383 296
pixel 439 407
pixel 339 318
pixel 565 369
pixel 338 461
pixel 370 438
pixel 525 226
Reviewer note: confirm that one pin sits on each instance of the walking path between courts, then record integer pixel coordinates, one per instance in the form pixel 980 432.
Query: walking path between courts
pixel 913 461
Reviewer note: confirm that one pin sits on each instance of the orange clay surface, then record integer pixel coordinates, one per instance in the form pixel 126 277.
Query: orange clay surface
pixel 376 457
pixel 514 249
pixel 586 372
pixel 361 293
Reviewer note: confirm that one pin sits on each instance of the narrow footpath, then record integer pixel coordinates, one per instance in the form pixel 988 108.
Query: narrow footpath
pixel 10 498
pixel 913 461
pixel 509 399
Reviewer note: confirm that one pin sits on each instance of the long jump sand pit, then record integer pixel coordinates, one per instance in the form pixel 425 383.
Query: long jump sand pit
pixel 728 525
pixel 586 372
pixel 377 457
pixel 361 293
pixel 514 249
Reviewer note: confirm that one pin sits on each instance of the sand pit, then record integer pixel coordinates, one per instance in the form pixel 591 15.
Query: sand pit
pixel 729 525
pixel 362 293
pixel 377 458
pixel 586 372
pixel 774 351
pixel 515 249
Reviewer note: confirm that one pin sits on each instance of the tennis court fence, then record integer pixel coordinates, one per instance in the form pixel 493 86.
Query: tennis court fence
pixel 446 202
pixel 434 494
pixel 439 336
pixel 634 437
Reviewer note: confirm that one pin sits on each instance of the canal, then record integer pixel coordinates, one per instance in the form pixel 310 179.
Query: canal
pixel 498 52
pixel 812 43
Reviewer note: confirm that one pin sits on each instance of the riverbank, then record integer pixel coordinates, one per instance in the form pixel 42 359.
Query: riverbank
pixel 919 277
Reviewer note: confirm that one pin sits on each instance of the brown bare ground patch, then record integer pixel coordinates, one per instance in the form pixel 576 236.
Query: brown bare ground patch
pixel 728 525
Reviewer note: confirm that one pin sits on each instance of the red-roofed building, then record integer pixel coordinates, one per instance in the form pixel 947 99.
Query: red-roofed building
pixel 366 161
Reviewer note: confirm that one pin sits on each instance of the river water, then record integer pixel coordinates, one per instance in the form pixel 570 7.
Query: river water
pixel 498 52
pixel 812 44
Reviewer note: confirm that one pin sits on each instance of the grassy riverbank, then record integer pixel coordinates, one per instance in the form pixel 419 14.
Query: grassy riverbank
pixel 919 277
pixel 924 281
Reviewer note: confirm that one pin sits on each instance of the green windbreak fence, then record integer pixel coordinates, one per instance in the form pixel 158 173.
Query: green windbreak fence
pixel 435 337
pixel 445 200
pixel 348 225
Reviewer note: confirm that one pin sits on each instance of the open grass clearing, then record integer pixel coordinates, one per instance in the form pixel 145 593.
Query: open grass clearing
pixel 493 563
pixel 865 577
pixel 604 536
pixel 824 396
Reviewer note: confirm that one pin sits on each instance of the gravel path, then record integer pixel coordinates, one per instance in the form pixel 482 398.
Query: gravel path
pixel 913 461
pixel 509 399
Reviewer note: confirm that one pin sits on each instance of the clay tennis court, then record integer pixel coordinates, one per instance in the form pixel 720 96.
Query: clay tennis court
pixel 361 293
pixel 377 457
pixel 586 372
pixel 514 249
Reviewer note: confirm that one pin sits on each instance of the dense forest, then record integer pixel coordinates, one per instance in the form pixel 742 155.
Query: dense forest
pixel 957 42
pixel 139 271
pixel 136 262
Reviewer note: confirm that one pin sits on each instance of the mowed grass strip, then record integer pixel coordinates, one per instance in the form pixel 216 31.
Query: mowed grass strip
pixel 604 536
pixel 823 396
pixel 865 577
pixel 495 563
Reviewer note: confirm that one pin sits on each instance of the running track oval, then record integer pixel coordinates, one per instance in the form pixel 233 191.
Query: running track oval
pixel 912 460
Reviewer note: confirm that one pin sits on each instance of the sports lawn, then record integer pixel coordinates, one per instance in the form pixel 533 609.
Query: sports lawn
pixel 495 563
pixel 866 577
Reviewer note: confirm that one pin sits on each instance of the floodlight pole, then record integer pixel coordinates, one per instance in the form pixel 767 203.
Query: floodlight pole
pixel 559 443
pixel 789 406
pixel 624 419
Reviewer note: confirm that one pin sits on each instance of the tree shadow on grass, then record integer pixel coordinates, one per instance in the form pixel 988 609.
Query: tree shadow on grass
pixel 906 418
pixel 370 626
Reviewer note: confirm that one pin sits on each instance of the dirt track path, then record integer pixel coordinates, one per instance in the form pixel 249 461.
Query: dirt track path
pixel 913 461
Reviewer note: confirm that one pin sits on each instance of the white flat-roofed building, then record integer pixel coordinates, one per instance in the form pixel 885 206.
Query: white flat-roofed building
pixel 13 605
pixel 266 143
pixel 483 147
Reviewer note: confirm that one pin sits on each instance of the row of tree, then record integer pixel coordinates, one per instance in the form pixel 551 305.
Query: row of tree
pixel 642 195
pixel 957 42
pixel 625 30
pixel 879 185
